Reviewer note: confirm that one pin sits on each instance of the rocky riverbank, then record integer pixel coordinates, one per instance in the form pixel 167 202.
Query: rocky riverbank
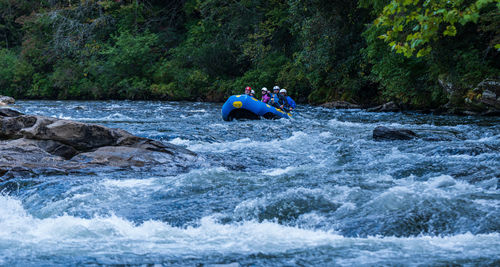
pixel 31 145
pixel 483 100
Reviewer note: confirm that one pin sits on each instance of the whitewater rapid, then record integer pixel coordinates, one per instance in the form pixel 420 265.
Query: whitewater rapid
pixel 314 190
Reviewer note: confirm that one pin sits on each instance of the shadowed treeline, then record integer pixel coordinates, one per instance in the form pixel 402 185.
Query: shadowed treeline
pixel 365 52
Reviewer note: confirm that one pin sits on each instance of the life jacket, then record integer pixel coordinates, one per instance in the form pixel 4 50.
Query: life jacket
pixel 266 98
pixel 283 102
pixel 275 97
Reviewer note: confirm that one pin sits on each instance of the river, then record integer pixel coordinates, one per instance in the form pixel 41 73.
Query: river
pixel 312 190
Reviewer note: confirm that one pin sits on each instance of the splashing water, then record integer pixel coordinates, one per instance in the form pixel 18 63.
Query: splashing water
pixel 314 190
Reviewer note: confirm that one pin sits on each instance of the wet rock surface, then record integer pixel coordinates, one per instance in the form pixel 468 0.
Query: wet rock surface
pixel 36 144
pixel 6 100
pixel 385 133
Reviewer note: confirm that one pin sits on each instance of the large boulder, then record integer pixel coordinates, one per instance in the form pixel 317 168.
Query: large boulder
pixel 385 133
pixel 6 100
pixel 39 142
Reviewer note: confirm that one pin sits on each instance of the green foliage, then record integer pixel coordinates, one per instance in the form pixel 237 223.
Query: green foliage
pixel 413 26
pixel 15 74
pixel 406 80
pixel 263 75
pixel 320 50
pixel 130 54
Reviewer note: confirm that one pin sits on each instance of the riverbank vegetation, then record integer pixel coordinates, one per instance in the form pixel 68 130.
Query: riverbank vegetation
pixel 365 51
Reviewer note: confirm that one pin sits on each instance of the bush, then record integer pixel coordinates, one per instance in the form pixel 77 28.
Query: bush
pixel 15 74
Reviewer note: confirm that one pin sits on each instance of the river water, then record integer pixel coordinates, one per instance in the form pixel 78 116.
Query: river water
pixel 313 190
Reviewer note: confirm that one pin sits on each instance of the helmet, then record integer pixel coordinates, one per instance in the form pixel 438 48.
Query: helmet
pixel 253 92
pixel 264 89
pixel 276 87
pixel 248 88
pixel 283 91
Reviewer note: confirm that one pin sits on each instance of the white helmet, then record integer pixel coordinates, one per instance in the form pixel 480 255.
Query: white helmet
pixel 264 89
pixel 283 91
pixel 276 87
pixel 253 92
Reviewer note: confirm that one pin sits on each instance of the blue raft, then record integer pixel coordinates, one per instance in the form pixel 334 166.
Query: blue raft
pixel 247 107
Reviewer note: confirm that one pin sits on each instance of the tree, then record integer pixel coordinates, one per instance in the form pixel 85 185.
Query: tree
pixel 413 26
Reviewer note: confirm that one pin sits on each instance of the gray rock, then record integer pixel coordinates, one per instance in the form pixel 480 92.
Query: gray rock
pixel 340 105
pixel 385 133
pixel 11 127
pixel 123 156
pixel 6 100
pixel 492 85
pixel 27 154
pixel 491 99
pixel 490 93
pixel 38 143
pixel 387 107
pixel 470 113
pixel 7 112
pixel 491 113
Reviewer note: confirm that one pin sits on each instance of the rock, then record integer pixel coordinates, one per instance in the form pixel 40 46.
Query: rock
pixel 387 107
pixel 6 100
pixel 491 113
pixel 455 93
pixel 469 113
pixel 491 99
pixel 447 86
pixel 488 96
pixel 492 85
pixel 27 154
pixel 122 156
pixel 41 143
pixel 385 133
pixel 340 105
pixel 7 112
pixel 10 127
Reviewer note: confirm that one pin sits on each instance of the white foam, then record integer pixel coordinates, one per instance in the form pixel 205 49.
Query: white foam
pixel 118 117
pixel 407 192
pixel 325 134
pixel 279 146
pixel 92 236
pixel 197 111
pixel 278 171
pixel 180 142
pixel 486 139
pixel 129 183
pixel 61 116
pixel 337 123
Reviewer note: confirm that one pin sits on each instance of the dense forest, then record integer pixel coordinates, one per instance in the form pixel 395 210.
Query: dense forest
pixel 419 53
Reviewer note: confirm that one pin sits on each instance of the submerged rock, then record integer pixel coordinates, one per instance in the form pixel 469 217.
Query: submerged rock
pixel 340 105
pixel 6 100
pixel 37 143
pixel 387 107
pixel 385 133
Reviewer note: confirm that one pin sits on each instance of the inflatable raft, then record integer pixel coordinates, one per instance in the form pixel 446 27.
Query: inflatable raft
pixel 247 107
